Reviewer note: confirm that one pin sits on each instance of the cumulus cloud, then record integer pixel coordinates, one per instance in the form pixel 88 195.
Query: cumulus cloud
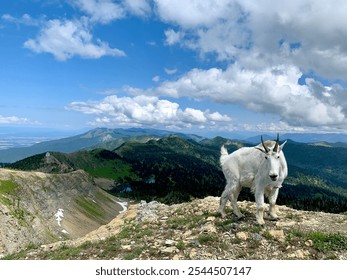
pixel 103 11
pixel 266 48
pixel 14 120
pixel 26 19
pixel 193 13
pixel 146 111
pixel 156 79
pixel 173 37
pixel 138 7
pixel 106 11
pixel 273 90
pixel 304 33
pixel 67 38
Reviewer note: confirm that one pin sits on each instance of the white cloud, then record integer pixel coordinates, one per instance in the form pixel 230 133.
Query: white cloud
pixel 156 79
pixel 146 111
pixel 305 33
pixel 106 11
pixel 193 13
pixel 268 46
pixel 140 8
pixel 67 38
pixel 15 120
pixel 173 37
pixel 274 90
pixel 26 19
pixel 103 11
pixel 170 71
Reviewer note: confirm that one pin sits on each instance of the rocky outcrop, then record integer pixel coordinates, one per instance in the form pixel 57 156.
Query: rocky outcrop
pixel 38 208
pixel 195 231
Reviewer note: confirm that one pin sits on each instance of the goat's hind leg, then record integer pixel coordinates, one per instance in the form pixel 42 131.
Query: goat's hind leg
pixel 231 193
pixel 234 194
pixel 223 201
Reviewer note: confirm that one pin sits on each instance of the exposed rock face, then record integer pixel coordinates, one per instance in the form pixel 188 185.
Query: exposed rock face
pixel 37 208
pixel 194 231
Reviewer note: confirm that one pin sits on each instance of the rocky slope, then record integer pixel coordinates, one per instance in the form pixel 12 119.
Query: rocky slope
pixel 38 208
pixel 194 231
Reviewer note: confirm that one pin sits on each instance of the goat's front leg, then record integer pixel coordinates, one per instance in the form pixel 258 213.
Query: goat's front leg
pixel 259 199
pixel 272 200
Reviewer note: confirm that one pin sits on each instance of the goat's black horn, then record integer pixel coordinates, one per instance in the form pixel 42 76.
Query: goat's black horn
pixel 266 149
pixel 277 140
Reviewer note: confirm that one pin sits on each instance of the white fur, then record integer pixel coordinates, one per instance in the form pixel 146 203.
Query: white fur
pixel 252 167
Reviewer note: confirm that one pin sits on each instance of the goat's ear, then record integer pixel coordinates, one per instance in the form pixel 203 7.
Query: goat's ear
pixel 260 149
pixel 281 146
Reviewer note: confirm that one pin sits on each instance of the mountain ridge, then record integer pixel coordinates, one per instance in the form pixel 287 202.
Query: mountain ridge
pixel 172 169
pixel 95 138
pixel 38 207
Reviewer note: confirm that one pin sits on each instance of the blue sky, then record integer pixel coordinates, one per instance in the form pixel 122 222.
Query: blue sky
pixel 193 66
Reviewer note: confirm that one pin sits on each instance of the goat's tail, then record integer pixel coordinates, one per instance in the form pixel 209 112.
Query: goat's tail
pixel 223 154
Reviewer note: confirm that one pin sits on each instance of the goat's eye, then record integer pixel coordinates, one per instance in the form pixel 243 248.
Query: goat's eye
pixel 278 156
pixel 265 157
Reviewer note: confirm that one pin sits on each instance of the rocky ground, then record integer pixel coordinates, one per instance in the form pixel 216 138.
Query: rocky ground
pixel 37 207
pixel 195 231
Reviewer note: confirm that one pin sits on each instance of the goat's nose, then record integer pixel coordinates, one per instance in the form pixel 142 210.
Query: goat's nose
pixel 273 177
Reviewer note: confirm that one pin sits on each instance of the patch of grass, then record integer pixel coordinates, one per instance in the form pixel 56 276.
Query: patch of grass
pixel 244 211
pixel 15 256
pixel 325 242
pixel 205 238
pixel 134 232
pixel 188 222
pixel 180 245
pixel 267 235
pixel 109 247
pixel 124 233
pixel 7 187
pixel 256 229
pixel 102 196
pixel 65 253
pixel 143 232
pixel 20 215
pixel 134 253
pixel 223 224
pixel 90 208
pixel 292 216
pixel 5 200
pixel 115 169
pixel 179 222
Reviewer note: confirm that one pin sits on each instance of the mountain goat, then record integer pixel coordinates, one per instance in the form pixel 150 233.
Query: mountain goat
pixel 262 168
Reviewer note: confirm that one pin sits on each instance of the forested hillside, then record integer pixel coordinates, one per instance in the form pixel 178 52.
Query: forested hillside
pixel 173 169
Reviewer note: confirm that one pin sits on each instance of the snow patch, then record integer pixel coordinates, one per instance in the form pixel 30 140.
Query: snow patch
pixel 124 205
pixel 59 216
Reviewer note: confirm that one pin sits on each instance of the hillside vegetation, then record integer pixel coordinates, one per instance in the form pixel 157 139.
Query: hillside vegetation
pixel 173 169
